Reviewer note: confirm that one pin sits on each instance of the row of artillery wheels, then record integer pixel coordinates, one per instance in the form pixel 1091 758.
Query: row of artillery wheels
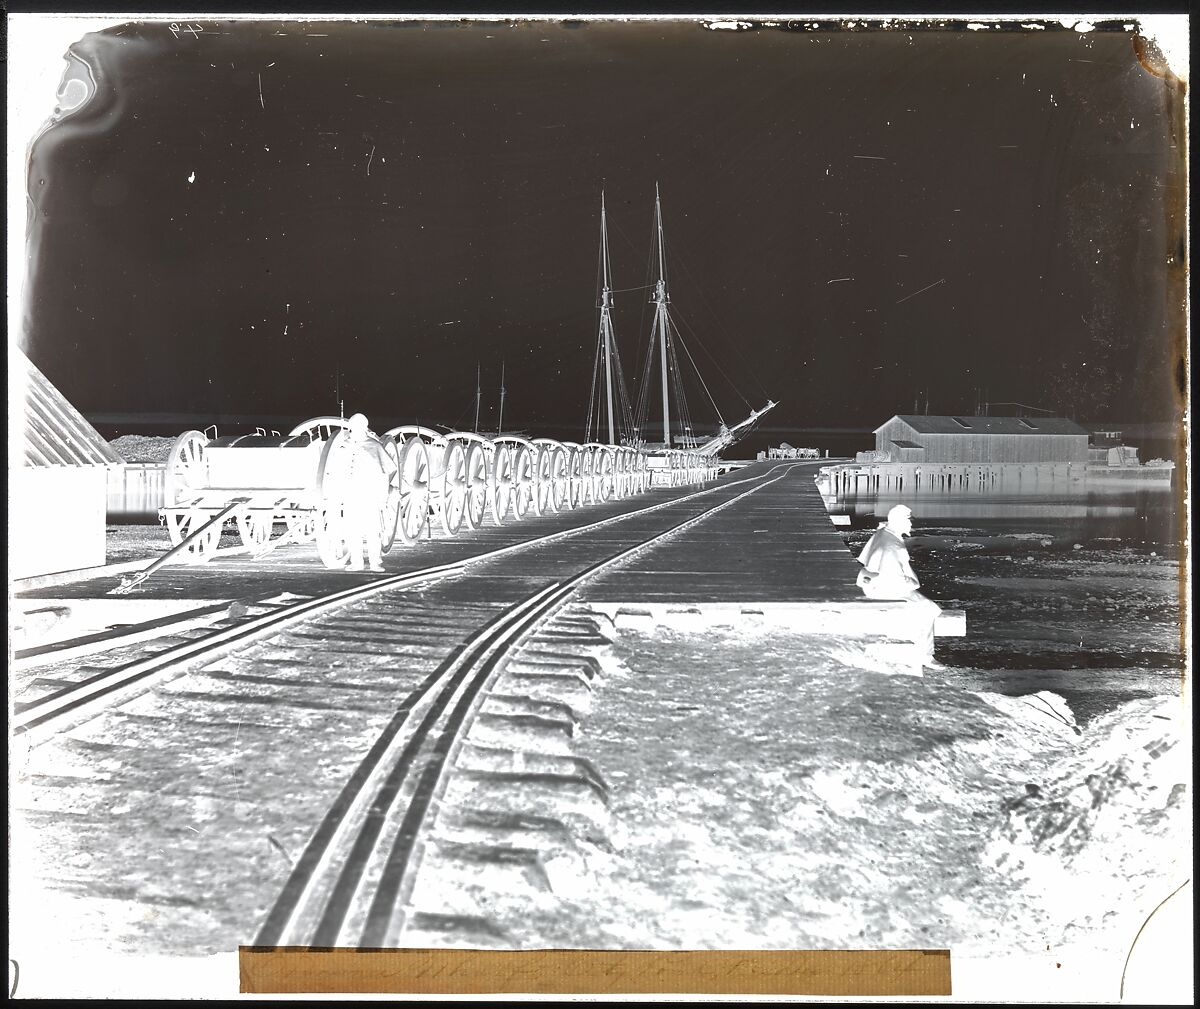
pixel 458 479
pixel 463 480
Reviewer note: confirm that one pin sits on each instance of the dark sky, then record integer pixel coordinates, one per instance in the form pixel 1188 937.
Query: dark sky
pixel 853 218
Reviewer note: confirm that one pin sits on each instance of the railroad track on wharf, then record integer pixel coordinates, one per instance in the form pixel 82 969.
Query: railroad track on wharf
pixel 132 668
pixel 286 782
pixel 352 883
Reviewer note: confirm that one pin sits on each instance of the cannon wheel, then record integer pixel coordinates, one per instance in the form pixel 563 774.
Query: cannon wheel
pixel 542 491
pixel 523 489
pixel 477 485
pixel 587 474
pixel 390 517
pixel 558 477
pixel 330 523
pixel 592 468
pixel 602 476
pixel 500 485
pixel 574 482
pixel 255 529
pixel 454 487
pixel 187 473
pixel 413 519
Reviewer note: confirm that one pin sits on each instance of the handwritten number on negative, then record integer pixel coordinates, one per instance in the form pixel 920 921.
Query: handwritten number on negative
pixel 177 29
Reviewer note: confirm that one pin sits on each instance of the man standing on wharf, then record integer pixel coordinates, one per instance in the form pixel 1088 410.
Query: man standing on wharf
pixel 364 490
pixel 887 572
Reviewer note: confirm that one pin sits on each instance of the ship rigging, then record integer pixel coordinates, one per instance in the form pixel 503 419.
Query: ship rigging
pixel 625 424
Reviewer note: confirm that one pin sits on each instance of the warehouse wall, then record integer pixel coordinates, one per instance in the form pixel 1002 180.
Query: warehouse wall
pixel 56 519
pixel 1004 447
pixel 972 447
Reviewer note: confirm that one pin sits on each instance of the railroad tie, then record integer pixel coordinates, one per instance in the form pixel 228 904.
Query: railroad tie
pixel 500 866
pixel 479 757
pixel 538 660
pixel 453 929
pixel 519 726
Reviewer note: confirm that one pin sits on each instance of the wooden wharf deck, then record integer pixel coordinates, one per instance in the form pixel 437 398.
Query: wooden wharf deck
pixel 775 546
pixel 772 560
pixel 225 769
pixel 297 568
pixel 770 555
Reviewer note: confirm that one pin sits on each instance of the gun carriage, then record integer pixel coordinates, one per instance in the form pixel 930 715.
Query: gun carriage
pixel 274 488
pixel 296 488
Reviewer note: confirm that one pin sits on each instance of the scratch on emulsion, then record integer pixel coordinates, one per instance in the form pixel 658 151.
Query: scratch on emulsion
pixel 369 157
pixel 260 94
pixel 925 288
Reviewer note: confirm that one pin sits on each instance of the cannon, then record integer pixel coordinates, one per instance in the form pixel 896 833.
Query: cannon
pixel 264 483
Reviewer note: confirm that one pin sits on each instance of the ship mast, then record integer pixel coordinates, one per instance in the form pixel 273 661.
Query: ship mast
pixel 477 392
pixel 670 341
pixel 500 419
pixel 662 326
pixel 606 327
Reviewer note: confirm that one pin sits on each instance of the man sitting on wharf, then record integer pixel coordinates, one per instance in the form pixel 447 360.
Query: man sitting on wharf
pixel 887 572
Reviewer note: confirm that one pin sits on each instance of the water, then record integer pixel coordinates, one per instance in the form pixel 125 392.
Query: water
pixel 1075 591
pixel 1147 515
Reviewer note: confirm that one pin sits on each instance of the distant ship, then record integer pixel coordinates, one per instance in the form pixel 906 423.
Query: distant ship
pixel 628 427
pixel 499 432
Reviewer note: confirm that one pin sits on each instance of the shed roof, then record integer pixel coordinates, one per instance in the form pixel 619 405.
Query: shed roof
pixel 50 431
pixel 923 424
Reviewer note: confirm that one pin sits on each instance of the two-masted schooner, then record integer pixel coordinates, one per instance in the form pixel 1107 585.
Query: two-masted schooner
pixel 628 424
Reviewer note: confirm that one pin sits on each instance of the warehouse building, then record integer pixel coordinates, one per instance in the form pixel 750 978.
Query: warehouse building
pixel 57 472
pixel 925 439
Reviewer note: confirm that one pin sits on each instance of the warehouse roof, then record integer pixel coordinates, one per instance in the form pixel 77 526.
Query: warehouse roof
pixel 923 424
pixel 50 431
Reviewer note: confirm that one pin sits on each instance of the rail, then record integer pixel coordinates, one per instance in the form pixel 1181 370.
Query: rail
pixel 35 720
pixel 334 883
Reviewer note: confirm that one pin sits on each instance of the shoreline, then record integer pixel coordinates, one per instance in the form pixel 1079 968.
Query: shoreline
pixel 774 793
